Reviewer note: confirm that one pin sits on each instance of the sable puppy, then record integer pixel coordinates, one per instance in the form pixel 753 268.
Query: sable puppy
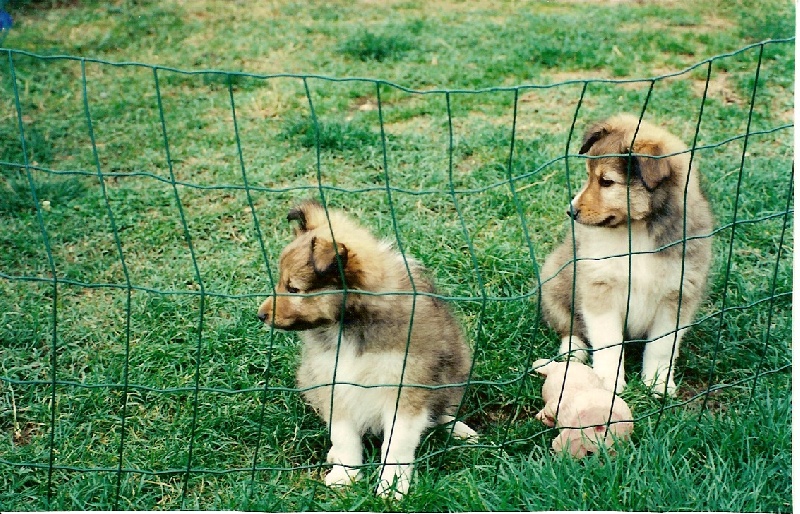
pixel 367 344
pixel 630 218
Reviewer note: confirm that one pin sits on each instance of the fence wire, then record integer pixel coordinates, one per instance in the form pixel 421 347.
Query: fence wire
pixel 65 326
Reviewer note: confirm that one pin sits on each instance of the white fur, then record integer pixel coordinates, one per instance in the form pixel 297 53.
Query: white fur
pixel 650 314
pixel 364 403
pixel 401 437
pixel 365 400
pixel 460 429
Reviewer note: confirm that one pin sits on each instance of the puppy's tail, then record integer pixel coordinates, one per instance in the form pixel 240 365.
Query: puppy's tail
pixel 460 429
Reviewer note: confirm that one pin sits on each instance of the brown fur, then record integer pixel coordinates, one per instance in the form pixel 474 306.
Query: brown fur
pixel 324 275
pixel 652 191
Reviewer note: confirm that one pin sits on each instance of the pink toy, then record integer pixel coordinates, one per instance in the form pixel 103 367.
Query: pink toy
pixel 583 415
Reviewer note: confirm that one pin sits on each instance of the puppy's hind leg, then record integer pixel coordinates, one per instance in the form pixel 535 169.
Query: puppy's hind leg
pixel 558 301
pixel 400 441
pixel 573 348
pixel 460 429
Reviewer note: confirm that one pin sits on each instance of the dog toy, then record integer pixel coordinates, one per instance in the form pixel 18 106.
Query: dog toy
pixel 587 415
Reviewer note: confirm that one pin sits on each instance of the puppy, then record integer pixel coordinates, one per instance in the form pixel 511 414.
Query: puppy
pixel 588 416
pixel 393 357
pixel 640 270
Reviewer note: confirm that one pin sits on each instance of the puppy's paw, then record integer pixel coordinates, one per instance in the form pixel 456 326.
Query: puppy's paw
pixel 656 379
pixel 396 491
pixel 460 429
pixel 546 416
pixel 340 476
pixel 395 482
pixel 464 432
pixel 660 386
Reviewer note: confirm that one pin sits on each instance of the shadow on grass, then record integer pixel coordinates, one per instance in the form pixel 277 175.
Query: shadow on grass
pixel 16 197
pixel 334 136
pixel 369 46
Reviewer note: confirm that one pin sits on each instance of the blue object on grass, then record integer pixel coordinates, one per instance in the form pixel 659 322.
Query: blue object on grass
pixel 5 24
pixel 5 21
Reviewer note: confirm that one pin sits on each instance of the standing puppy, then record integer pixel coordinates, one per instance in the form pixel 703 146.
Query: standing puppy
pixel 635 275
pixel 394 361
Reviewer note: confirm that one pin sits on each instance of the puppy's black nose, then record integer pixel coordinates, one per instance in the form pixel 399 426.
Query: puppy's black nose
pixel 262 317
pixel 572 212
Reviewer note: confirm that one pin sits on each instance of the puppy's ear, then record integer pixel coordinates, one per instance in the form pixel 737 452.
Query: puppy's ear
pixel 297 214
pixel 593 134
pixel 570 440
pixel 324 257
pixel 542 366
pixel 306 215
pixel 653 171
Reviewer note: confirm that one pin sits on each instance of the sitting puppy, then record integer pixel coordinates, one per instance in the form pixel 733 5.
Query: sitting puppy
pixel 635 261
pixel 588 416
pixel 379 354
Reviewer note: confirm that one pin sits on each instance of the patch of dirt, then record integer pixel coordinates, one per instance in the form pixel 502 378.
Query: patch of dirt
pixel 499 414
pixel 708 24
pixel 610 2
pixel 566 76
pixel 716 23
pixel 715 403
pixel 362 104
pixel 546 111
pixel 22 436
pixel 718 88
pixel 416 124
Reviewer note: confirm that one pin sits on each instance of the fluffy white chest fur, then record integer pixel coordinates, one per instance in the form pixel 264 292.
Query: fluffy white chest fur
pixel 604 259
pixel 366 384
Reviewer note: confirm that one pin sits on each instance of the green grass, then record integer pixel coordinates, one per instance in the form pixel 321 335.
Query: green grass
pixel 202 373
pixel 335 136
pixel 368 46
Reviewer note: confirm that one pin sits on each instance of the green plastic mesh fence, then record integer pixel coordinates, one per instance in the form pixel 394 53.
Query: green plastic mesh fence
pixel 142 230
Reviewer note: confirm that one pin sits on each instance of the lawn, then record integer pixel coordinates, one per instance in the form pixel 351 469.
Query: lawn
pixel 149 153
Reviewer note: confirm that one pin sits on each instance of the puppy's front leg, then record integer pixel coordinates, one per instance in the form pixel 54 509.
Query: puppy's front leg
pixel 659 358
pixel 346 453
pixel 400 441
pixel 604 329
pixel 548 414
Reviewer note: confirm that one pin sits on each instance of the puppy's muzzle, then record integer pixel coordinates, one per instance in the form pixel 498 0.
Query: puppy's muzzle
pixel 264 311
pixel 573 212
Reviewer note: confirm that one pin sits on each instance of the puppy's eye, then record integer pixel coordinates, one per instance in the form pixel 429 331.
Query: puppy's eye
pixel 292 290
pixel 604 182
